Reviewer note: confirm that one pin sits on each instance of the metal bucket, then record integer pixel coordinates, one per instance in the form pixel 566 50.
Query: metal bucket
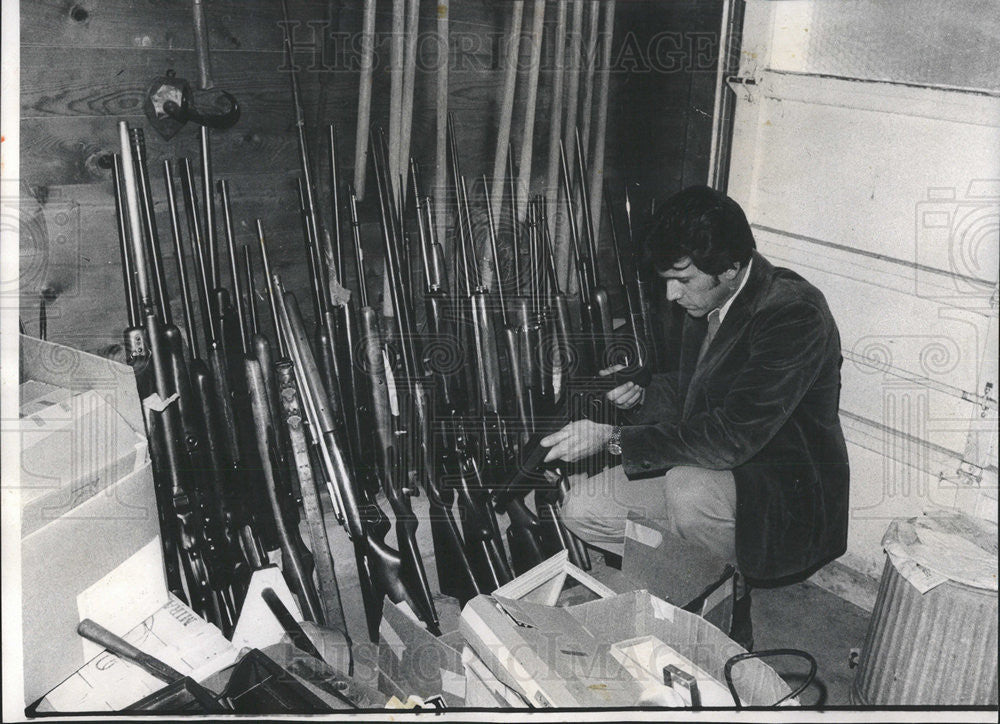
pixel 933 648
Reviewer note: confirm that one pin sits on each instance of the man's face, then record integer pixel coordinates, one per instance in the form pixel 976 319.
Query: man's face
pixel 699 293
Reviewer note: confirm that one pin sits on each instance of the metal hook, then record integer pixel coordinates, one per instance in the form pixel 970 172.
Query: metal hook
pixel 169 104
pixel 187 112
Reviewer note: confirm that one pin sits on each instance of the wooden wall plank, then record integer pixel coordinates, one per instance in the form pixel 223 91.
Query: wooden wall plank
pixel 232 24
pixel 87 64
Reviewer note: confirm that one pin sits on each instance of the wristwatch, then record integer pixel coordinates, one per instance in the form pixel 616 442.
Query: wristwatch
pixel 615 441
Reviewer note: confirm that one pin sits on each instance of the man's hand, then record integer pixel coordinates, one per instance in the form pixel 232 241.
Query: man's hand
pixel 577 440
pixel 624 396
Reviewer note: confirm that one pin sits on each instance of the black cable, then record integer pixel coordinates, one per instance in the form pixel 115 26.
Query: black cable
pixel 728 671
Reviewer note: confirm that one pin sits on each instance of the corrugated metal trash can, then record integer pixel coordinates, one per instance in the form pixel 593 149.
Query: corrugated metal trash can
pixel 932 638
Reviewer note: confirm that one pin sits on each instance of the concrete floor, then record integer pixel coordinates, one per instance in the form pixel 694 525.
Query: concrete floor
pixel 804 616
pixel 801 616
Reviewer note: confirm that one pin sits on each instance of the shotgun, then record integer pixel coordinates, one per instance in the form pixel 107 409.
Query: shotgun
pixel 277 489
pixel 403 428
pixel 175 494
pixel 455 574
pixel 380 568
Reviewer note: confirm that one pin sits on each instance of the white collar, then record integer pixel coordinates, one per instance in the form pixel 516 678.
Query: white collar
pixel 724 309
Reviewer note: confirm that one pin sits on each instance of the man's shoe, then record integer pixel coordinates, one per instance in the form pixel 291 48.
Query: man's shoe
pixel 741 630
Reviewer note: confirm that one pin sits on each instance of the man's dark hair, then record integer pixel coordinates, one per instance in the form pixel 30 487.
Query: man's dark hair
pixel 703 224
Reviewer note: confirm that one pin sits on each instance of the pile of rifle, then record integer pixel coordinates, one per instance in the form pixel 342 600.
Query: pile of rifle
pixel 451 401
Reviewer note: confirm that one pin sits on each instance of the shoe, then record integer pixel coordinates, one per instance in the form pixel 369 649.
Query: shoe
pixel 741 630
pixel 612 560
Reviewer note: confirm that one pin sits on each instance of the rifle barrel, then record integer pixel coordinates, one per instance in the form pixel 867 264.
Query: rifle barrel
pixel 192 331
pixel 252 328
pixel 205 286
pixel 270 289
pixel 495 251
pixel 227 215
pixel 208 194
pixel 359 256
pixel 574 232
pixel 148 216
pixel 127 271
pixel 335 200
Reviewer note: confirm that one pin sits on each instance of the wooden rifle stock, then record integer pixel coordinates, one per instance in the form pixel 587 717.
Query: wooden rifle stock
pixel 294 568
pixel 380 568
pixel 331 606
pixel 396 492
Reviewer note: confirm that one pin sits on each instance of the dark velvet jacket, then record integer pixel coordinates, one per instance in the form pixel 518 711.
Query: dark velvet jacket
pixel 764 403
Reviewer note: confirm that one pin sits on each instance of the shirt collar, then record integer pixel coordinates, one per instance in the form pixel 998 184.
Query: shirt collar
pixel 724 309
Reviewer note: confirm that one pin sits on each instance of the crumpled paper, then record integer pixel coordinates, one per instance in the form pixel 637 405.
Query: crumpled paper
pixel 932 549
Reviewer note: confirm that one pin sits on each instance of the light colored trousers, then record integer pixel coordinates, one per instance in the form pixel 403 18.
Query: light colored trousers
pixel 695 504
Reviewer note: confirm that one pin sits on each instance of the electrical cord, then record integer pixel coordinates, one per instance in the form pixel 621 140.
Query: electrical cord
pixel 728 671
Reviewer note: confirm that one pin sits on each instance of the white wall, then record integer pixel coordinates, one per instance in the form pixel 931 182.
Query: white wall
pixel 866 152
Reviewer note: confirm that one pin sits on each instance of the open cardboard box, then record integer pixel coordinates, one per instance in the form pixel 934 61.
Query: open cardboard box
pixel 90 538
pixel 570 656
pixel 412 661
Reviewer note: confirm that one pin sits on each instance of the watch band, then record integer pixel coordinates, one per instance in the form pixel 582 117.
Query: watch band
pixel 615 441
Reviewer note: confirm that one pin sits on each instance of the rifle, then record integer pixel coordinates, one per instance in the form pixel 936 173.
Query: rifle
pixel 380 569
pixel 207 422
pixel 393 471
pixel 135 346
pixel 218 561
pixel 175 493
pixel 601 324
pixel 252 466
pixel 353 390
pixel 455 574
pixel 319 260
pixel 484 546
pixel 227 444
pixel 509 334
pixel 261 349
pixel 330 604
pixel 137 355
pixel 638 330
pixel 299 578
pixel 216 352
pixel 588 356
pixel 555 535
pixel 642 287
pixel 297 559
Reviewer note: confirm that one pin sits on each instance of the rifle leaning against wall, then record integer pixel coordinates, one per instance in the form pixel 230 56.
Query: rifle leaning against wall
pixel 177 490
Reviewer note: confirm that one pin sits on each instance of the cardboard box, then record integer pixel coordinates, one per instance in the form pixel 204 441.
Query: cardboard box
pixel 71 450
pixel 175 635
pixel 677 571
pixel 483 690
pixel 565 656
pixel 90 550
pixel 411 660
